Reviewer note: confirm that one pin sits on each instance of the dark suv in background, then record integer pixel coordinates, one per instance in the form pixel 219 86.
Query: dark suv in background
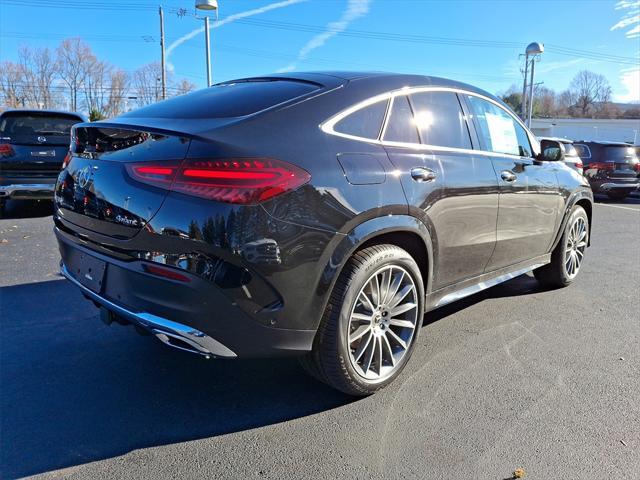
pixel 610 167
pixel 33 145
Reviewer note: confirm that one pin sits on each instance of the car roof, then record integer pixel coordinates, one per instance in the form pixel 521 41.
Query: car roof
pixel 605 143
pixel 385 81
pixel 556 139
pixel 35 110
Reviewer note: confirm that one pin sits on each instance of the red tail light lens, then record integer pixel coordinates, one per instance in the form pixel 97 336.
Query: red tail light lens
pixel 165 272
pixel 67 159
pixel 602 166
pixel 243 181
pixel 6 149
pixel 637 167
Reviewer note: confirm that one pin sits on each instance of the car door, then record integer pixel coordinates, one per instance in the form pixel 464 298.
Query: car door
pixel 530 199
pixel 451 188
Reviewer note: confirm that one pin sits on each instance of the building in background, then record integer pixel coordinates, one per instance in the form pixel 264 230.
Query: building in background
pixel 616 130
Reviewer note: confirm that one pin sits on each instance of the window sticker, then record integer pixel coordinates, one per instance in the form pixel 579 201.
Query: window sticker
pixel 503 134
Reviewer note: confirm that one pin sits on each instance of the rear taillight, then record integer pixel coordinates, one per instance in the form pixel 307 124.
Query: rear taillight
pixel 6 149
pixel 602 166
pixel 165 272
pixel 637 167
pixel 243 181
pixel 67 159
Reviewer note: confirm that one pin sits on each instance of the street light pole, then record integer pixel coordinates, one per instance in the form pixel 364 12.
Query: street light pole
pixel 207 6
pixel 533 51
pixel 162 60
pixel 533 64
pixel 207 39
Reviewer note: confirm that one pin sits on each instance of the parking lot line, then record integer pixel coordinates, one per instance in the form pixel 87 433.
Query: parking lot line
pixel 618 206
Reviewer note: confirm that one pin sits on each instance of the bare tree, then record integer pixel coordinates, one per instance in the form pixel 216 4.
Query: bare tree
pixel 119 85
pixel 73 57
pixel 185 86
pixel 544 102
pixel 96 86
pixel 146 81
pixel 39 70
pixel 12 86
pixel 587 89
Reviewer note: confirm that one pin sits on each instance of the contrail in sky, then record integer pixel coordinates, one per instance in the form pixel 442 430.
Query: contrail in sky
pixel 355 9
pixel 224 21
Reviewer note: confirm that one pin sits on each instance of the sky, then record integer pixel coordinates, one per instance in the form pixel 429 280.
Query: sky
pixel 474 41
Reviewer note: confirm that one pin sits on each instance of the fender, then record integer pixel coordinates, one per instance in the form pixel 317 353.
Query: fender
pixel 343 246
pixel 574 197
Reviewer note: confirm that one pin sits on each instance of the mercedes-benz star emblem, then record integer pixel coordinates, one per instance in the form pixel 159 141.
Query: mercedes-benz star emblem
pixel 84 177
pixel 42 139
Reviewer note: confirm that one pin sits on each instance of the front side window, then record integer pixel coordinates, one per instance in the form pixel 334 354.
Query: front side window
pixel 499 131
pixel 365 122
pixel 440 119
pixel 400 125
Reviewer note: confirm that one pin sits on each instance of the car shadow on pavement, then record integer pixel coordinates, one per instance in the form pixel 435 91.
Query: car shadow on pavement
pixel 27 209
pixel 73 390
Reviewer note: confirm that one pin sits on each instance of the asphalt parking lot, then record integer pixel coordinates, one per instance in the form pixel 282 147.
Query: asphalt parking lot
pixel 514 377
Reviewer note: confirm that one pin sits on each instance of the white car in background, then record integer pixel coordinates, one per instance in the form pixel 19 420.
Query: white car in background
pixel 571 157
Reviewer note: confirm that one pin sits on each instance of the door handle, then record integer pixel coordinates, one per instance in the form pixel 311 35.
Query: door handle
pixel 421 174
pixel 508 176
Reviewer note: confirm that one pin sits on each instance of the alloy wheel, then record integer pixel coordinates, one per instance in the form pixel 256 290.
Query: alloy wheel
pixel 383 322
pixel 576 245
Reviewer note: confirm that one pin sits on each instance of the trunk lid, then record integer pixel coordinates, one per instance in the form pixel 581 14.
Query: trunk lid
pixel 96 192
pixel 621 162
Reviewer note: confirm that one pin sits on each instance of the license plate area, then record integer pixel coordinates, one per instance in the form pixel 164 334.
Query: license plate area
pixel 87 270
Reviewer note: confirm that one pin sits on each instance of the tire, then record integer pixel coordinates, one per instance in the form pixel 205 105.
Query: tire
pixel 388 319
pixel 2 207
pixel 561 271
pixel 617 196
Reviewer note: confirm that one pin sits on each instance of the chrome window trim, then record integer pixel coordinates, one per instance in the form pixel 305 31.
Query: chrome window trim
pixel 328 125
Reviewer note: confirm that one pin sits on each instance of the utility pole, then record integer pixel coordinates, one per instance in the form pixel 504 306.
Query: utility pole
pixel 523 105
pixel 164 75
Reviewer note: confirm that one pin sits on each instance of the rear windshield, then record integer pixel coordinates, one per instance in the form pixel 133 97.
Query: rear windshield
pixel 37 128
pixel 619 153
pixel 228 100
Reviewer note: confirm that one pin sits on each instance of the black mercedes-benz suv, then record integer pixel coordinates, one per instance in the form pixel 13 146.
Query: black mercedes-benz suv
pixel 313 214
pixel 33 145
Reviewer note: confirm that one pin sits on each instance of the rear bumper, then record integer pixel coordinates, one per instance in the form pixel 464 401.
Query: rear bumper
pixel 195 316
pixel 27 188
pixel 618 187
pixel 167 331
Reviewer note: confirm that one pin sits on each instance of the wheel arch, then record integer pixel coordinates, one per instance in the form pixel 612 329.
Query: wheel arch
pixel 404 231
pixel 582 197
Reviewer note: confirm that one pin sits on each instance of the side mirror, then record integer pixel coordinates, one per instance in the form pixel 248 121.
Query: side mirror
pixel 552 151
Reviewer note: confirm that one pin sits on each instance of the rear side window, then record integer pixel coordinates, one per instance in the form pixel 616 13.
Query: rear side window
pixel 440 120
pixel 582 150
pixel 365 122
pixel 228 100
pixel 400 125
pixel 499 131
pixel 37 128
